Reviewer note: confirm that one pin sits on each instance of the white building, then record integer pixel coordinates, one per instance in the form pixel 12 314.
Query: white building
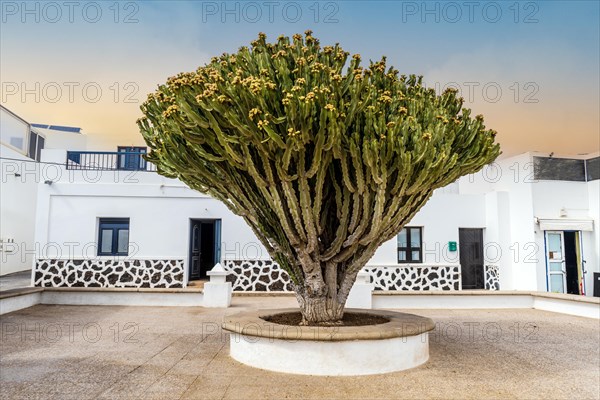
pixel 528 222
pixel 21 144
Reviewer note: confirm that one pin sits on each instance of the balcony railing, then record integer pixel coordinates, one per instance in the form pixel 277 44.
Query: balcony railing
pixel 108 161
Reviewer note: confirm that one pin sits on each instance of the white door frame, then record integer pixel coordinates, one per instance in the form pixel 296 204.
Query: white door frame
pixel 581 265
pixel 555 258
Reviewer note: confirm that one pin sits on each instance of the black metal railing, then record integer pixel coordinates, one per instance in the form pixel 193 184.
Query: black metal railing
pixel 108 161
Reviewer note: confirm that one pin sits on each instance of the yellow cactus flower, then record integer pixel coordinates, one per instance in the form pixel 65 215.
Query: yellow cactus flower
pixel 253 112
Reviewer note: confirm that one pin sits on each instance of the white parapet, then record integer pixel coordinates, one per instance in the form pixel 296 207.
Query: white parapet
pixel 217 292
pixel 14 300
pixel 344 358
pixel 398 342
pixel 360 294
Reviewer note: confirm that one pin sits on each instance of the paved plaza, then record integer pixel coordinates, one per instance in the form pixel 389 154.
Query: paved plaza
pixel 113 352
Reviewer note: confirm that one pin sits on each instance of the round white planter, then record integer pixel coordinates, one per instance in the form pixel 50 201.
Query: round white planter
pixel 399 344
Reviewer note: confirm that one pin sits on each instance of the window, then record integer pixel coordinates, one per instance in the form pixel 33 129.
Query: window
pixel 32 144
pixel 38 154
pixel 410 245
pixel 74 156
pixel 36 144
pixel 113 237
pixel 14 131
pixel 130 158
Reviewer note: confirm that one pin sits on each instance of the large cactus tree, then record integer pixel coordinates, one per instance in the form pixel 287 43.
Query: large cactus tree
pixel 324 159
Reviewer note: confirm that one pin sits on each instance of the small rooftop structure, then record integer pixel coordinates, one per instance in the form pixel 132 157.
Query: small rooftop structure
pixel 61 128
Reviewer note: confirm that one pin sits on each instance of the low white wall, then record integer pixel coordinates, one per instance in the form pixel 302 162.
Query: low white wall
pixel 118 297
pixel 588 310
pixel 331 358
pixel 564 304
pixel 127 298
pixel 15 303
pixel 450 301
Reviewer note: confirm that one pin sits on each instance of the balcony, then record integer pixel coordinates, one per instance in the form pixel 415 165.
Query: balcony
pixel 108 161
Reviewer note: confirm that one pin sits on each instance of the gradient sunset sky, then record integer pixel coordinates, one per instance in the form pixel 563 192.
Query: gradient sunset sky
pixel 531 68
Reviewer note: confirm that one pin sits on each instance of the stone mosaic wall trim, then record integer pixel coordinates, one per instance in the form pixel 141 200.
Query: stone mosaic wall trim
pixel 257 275
pixel 492 277
pixel 266 276
pixel 109 273
pixel 415 277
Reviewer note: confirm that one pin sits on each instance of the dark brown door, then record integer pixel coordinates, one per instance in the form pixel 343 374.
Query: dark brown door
pixel 471 257
pixel 202 248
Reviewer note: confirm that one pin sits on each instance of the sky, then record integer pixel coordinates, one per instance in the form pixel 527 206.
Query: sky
pixel 531 68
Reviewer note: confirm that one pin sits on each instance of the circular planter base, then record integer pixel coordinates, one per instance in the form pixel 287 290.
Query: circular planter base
pixel 399 344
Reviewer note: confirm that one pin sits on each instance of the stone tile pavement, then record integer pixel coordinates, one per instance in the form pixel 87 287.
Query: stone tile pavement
pixel 111 352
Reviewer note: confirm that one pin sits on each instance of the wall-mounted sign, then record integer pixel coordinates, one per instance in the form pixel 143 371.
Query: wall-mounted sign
pixel 452 246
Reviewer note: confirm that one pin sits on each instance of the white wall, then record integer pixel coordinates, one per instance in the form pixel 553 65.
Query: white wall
pixel 81 197
pixel 440 218
pixel 159 210
pixel 64 140
pixel 20 178
pixel 513 176
pixel 19 182
pixel 504 202
pixel 69 208
pixel 516 173
pixel 549 197
pixel 497 235
pixel 18 185
pixel 592 245
pixel 159 225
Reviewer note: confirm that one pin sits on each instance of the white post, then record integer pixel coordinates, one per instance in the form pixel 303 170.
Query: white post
pixel 217 292
pixel 360 295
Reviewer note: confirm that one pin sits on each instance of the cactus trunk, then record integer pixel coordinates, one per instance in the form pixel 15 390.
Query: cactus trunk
pixel 322 296
pixel 319 310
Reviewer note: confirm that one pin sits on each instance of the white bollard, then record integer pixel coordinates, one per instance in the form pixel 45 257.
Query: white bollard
pixel 217 292
pixel 360 295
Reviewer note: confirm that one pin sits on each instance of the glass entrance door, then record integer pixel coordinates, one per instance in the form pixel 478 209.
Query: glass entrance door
pixel 555 261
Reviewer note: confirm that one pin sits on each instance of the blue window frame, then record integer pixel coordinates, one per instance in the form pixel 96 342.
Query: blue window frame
pixel 113 237
pixel 74 156
pixel 130 158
